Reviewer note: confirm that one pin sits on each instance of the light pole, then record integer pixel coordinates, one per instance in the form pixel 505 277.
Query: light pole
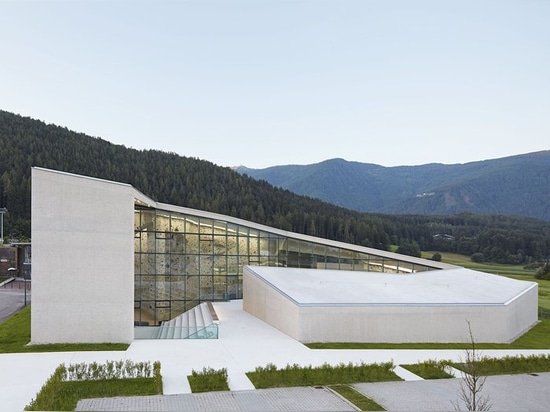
pixel 2 211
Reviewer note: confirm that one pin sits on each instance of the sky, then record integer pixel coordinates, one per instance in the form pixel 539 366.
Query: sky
pixel 261 83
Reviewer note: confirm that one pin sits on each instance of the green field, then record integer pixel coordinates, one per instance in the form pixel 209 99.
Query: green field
pixel 512 271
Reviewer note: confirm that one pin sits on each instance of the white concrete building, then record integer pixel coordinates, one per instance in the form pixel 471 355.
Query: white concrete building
pixel 108 259
pixel 433 306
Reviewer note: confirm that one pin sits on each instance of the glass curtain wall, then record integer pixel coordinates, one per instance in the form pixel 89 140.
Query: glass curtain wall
pixel 182 260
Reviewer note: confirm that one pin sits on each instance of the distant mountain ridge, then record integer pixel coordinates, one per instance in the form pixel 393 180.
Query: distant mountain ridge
pixel 515 185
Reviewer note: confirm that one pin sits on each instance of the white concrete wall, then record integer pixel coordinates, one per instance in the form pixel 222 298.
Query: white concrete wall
pixel 83 259
pixel 401 324
pixel 269 305
pixel 523 312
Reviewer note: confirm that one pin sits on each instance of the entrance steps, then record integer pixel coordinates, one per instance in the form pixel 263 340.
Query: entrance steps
pixel 200 322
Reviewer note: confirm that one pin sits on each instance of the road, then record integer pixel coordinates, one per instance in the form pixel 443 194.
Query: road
pixel 12 298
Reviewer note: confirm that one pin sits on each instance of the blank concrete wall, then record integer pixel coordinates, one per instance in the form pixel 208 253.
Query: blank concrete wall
pixel 269 305
pixel 83 265
pixel 428 323
pixel 403 324
pixel 522 312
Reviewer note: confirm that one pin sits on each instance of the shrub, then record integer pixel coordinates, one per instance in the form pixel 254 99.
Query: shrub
pixel 543 272
pixel 430 369
pixel 511 365
pixel 295 375
pixel 68 385
pixel 478 258
pixel 208 380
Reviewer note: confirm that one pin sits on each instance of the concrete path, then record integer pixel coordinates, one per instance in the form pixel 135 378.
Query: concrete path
pixel 244 343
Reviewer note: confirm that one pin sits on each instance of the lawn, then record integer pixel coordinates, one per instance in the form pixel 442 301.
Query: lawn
pixel 15 334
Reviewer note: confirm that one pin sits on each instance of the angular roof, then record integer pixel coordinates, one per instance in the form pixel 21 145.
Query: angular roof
pixel 460 286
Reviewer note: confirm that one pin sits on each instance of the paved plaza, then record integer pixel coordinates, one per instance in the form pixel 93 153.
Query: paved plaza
pixel 506 393
pixel 245 343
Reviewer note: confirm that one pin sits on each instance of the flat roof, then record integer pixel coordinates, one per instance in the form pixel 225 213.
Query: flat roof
pixel 320 287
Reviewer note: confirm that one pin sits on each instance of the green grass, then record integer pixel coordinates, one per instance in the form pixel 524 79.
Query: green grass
pixel 295 375
pixel 509 365
pixel 361 401
pixel 58 394
pixel 465 261
pixel 208 380
pixel 67 394
pixel 15 334
pixel 429 369
pixel 536 338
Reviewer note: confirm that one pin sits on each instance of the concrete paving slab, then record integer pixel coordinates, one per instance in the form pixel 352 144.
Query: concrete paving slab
pixel 279 399
pixel 505 392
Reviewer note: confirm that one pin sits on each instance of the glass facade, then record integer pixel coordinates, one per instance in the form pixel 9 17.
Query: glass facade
pixel 181 260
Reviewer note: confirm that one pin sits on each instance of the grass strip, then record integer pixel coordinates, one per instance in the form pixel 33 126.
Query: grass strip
pixel 510 365
pixel 536 338
pixel 15 334
pixel 60 395
pixel 296 375
pixel 363 402
pixel 208 380
pixel 429 369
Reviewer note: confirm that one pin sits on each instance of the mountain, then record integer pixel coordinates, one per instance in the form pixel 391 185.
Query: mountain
pixel 516 185
pixel 190 182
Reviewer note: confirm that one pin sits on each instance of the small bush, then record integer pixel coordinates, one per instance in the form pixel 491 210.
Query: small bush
pixel 68 385
pixel 511 365
pixel 110 370
pixel 295 375
pixel 208 380
pixel 430 369
pixel 543 272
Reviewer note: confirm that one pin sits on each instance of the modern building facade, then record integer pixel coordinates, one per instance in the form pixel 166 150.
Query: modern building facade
pixel 107 258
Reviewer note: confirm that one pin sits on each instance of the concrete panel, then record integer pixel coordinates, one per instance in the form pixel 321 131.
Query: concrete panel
pixel 402 324
pixel 269 305
pixel 83 274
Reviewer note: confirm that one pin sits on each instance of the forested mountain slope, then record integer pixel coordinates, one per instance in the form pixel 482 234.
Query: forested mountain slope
pixel 184 181
pixel 515 185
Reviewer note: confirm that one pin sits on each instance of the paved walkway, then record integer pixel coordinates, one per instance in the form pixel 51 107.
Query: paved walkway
pixel 287 399
pixel 244 343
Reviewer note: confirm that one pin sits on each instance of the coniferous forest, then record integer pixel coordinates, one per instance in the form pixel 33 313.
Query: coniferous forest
pixel 199 184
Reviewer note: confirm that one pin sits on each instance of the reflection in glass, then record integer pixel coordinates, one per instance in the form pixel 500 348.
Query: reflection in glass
pixel 182 260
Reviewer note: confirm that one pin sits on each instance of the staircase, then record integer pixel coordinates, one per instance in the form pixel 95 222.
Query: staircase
pixel 200 322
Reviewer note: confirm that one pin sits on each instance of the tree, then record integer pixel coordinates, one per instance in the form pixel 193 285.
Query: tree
pixel 543 272
pixel 436 257
pixel 409 248
pixel 477 257
pixel 472 381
